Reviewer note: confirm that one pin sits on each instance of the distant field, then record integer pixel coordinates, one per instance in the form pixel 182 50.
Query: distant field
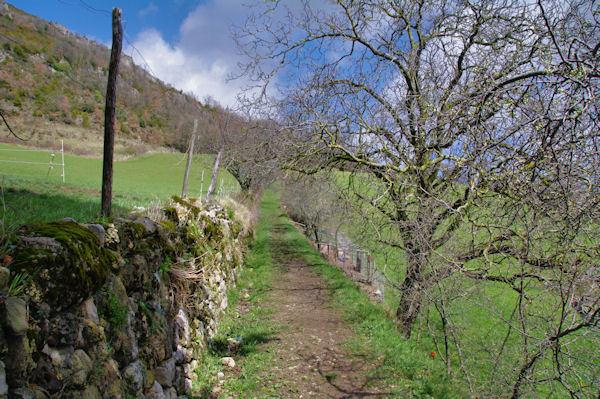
pixel 34 192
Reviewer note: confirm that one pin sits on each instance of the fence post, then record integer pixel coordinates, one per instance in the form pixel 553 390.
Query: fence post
pixel 189 160
pixel 109 112
pixel 62 152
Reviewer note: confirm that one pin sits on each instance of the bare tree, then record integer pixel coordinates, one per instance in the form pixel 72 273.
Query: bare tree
pixel 470 133
pixel 314 202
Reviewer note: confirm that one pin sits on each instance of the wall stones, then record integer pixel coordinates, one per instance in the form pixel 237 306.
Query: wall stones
pixel 122 309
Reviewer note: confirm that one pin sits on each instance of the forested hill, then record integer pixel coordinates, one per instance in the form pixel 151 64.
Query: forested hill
pixel 52 80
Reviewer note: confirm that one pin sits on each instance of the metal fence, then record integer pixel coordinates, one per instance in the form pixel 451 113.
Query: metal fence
pixel 357 264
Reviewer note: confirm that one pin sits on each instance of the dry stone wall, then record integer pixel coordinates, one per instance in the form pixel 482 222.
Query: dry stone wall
pixel 115 310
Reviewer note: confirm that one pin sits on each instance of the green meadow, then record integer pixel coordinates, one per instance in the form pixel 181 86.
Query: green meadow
pixel 34 191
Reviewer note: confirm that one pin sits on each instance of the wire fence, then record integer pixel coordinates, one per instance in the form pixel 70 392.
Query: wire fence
pixel 355 262
pixel 22 160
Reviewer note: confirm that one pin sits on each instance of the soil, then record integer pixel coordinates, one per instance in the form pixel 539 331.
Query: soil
pixel 311 357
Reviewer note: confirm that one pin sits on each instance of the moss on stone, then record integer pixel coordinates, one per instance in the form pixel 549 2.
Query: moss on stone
pixel 187 204
pixel 66 260
pixel 168 225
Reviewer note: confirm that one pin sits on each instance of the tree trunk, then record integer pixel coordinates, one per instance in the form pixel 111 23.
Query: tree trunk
pixel 411 291
pixel 213 181
pixel 109 112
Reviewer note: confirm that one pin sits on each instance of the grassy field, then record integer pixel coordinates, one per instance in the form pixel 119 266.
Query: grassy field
pixel 31 191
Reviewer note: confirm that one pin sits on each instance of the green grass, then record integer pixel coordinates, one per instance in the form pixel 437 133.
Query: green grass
pixel 407 370
pixel 405 367
pixel 36 193
pixel 253 328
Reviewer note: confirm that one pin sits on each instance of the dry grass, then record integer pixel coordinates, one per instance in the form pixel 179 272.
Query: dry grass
pixel 241 214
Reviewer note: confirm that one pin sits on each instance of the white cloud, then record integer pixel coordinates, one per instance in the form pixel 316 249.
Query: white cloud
pixel 203 58
pixel 151 9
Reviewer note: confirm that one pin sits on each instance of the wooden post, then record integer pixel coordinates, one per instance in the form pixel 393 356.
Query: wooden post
pixel 189 160
pixel 213 181
pixel 109 112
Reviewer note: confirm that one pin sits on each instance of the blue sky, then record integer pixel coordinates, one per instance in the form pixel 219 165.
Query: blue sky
pixel 91 18
pixel 185 43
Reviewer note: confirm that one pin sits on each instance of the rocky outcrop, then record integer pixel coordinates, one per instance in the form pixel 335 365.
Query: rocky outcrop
pixel 118 310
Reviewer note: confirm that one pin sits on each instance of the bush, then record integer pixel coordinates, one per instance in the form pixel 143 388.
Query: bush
pixel 86 120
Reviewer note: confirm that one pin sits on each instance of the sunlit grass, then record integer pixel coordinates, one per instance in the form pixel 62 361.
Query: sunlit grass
pixel 35 192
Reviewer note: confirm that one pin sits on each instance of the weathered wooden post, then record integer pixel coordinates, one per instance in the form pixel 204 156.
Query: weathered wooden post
pixel 189 160
pixel 213 181
pixel 109 112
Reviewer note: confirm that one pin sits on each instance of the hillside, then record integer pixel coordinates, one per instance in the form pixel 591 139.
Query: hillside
pixel 53 83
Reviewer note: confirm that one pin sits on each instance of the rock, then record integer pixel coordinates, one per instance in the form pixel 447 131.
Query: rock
pixel 16 315
pixel 91 392
pixel 27 393
pixel 3 386
pixel 46 375
pixel 182 384
pixel 171 393
pixel 220 375
pixel 66 260
pixel 179 355
pixel 149 225
pixel 81 365
pixel 133 374
pixel 156 392
pixel 99 231
pixel 165 373
pixel 190 368
pixel 59 356
pixel 4 277
pixel 63 329
pixel 183 328
pixel 228 361
pixel 92 333
pixel 90 312
pixel 68 220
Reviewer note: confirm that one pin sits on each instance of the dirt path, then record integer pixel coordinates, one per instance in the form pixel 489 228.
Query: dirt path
pixel 311 360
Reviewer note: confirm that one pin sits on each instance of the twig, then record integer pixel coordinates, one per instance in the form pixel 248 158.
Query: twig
pixel 10 130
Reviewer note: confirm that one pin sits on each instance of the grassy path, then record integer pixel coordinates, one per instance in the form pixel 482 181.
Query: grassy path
pixel 306 331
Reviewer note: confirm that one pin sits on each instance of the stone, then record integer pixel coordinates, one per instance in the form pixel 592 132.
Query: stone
pixel 90 312
pixel 220 375
pixel 92 333
pixel 156 392
pixel 228 361
pixel 66 261
pixel 59 356
pixel 149 225
pixel 4 277
pixel 165 373
pixel 81 365
pixel 183 328
pixel 99 231
pixel 179 355
pixel 68 220
pixel 63 329
pixel 27 393
pixel 16 315
pixel 171 393
pixel 134 375
pixel 91 392
pixel 3 385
